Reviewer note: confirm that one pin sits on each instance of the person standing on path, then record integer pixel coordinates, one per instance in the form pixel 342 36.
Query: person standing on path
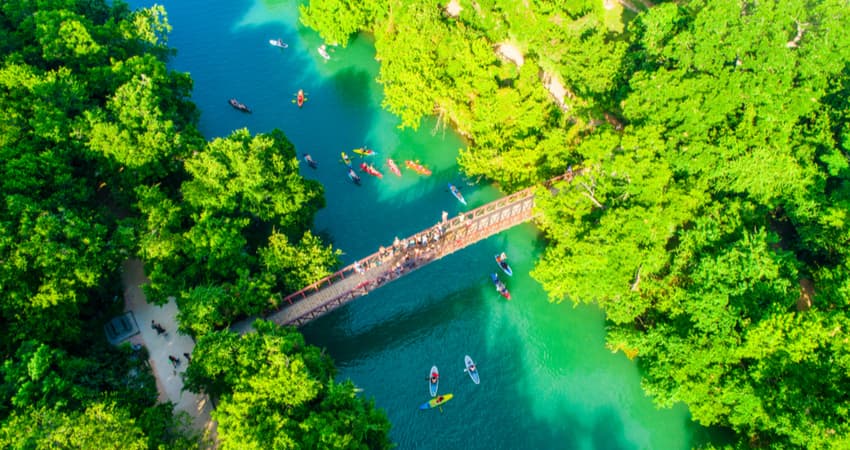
pixel 175 361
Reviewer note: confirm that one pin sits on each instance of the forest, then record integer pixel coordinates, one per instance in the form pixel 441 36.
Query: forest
pixel 709 217
pixel 103 162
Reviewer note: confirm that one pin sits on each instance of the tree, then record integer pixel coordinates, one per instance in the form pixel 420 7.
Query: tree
pixel 101 424
pixel 276 392
pixel 708 215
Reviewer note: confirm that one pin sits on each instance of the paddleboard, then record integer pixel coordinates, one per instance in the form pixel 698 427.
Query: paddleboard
pixel 473 373
pixel 435 402
pixel 457 194
pixel 323 52
pixel 433 386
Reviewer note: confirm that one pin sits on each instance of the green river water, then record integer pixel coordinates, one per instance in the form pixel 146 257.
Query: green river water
pixel 547 380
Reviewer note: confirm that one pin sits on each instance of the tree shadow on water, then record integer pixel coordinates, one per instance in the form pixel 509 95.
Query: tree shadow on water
pixel 354 87
pixel 330 330
pixel 607 432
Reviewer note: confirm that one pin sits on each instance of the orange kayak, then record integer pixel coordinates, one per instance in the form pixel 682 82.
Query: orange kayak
pixel 418 168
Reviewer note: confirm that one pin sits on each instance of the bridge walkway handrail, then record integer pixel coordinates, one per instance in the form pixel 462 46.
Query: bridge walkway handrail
pixel 447 228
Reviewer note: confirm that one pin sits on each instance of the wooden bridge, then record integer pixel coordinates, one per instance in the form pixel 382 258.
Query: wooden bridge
pixel 402 257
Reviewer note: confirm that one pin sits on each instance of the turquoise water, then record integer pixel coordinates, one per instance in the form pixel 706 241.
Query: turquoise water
pixel 547 379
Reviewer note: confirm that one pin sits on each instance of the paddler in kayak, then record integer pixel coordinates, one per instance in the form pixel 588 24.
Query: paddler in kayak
pixel 300 98
pixel 393 167
pixel 354 177
pixel 345 159
pixel 309 160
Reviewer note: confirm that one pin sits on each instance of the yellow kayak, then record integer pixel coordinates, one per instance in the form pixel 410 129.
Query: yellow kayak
pixel 363 151
pixel 436 401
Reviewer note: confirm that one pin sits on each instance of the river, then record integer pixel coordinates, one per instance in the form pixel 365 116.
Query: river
pixel 547 380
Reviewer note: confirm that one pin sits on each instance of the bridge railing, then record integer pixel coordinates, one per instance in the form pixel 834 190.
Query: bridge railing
pixel 447 228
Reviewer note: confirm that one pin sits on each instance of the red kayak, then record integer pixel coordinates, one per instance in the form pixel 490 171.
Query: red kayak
pixel 371 170
pixel 393 167
pixel 299 98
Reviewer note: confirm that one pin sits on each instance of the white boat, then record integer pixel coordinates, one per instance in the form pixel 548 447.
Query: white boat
pixel 278 43
pixel 322 51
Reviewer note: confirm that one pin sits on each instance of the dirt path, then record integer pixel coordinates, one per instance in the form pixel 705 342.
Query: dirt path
pixel 169 380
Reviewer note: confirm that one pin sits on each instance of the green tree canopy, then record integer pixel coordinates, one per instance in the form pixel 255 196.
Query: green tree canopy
pixel 708 217
pixel 277 392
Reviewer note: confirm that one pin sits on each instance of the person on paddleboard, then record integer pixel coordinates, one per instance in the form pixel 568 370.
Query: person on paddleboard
pixel 472 367
pixel 434 377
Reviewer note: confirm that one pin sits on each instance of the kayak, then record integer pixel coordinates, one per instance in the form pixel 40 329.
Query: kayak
pixel 418 168
pixel 278 43
pixel 345 159
pixel 353 176
pixel 435 402
pixel 434 385
pixel 323 52
pixel 371 170
pixel 300 98
pixel 473 372
pixel 310 162
pixel 238 105
pixel 500 287
pixel 393 167
pixel 502 261
pixel 364 151
pixel 457 194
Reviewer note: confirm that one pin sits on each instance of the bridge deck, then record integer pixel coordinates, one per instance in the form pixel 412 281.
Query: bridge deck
pixel 401 258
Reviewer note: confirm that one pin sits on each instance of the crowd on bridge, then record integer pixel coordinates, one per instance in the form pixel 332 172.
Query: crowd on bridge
pixel 393 261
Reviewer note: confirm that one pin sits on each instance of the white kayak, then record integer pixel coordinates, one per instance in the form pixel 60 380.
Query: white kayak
pixel 278 43
pixel 471 369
